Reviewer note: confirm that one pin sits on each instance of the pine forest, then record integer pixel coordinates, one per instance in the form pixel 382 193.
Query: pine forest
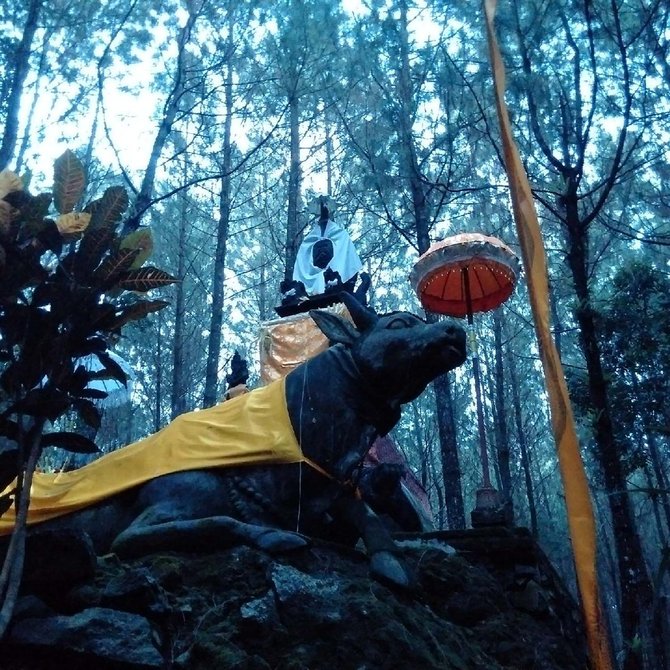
pixel 203 131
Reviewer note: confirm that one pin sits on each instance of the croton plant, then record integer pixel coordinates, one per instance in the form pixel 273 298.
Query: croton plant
pixel 70 279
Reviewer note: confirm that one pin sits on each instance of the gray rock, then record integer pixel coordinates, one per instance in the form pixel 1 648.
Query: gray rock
pixel 261 611
pixel 106 633
pixel 300 595
pixel 135 591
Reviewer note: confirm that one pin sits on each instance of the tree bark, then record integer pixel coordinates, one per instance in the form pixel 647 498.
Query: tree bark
pixel 21 68
pixel 636 587
pixel 158 375
pixel 523 446
pixel 179 372
pixel 502 437
pixel 451 470
pixel 294 179
pixel 143 200
pixel 211 396
pixel 660 475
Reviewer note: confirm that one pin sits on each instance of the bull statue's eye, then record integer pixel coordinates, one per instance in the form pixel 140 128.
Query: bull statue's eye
pixel 398 323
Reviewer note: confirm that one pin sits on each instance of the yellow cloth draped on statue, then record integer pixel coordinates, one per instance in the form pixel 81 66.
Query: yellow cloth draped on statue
pixel 252 429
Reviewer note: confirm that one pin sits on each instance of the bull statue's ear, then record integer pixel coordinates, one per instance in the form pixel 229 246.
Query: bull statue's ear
pixel 363 316
pixel 335 328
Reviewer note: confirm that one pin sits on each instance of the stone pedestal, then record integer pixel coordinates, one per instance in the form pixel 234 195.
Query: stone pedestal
pixel 491 509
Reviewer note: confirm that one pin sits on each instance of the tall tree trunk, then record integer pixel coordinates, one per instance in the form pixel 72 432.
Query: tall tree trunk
pixel 660 475
pixel 144 197
pixel 451 469
pixel 21 67
pixel 158 375
pixel 210 396
pixel 179 371
pixel 502 438
pixel 294 179
pixel 636 588
pixel 27 128
pixel 556 320
pixel 329 157
pixel 523 446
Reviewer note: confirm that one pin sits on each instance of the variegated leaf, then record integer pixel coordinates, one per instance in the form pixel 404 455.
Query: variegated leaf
pixel 7 216
pixel 114 266
pixel 9 182
pixel 137 311
pixel 69 182
pixel 73 442
pixel 142 240
pixel 106 211
pixel 93 246
pixel 145 279
pixel 31 215
pixel 73 223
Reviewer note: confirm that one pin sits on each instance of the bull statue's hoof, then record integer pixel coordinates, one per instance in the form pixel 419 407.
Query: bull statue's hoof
pixel 276 541
pixel 209 534
pixel 388 569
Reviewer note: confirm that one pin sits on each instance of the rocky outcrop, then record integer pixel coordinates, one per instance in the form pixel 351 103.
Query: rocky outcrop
pixel 491 603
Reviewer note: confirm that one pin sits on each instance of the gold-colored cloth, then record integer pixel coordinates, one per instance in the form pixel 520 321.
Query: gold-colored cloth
pixel 577 497
pixel 288 342
pixel 251 429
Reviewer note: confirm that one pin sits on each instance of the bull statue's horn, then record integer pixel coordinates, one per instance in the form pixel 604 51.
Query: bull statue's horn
pixel 364 318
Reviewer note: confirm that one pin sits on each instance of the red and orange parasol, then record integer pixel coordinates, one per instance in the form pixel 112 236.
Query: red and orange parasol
pixel 465 274
pixel 460 276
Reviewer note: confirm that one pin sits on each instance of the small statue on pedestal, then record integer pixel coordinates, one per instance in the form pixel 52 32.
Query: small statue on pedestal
pixel 326 265
pixel 236 381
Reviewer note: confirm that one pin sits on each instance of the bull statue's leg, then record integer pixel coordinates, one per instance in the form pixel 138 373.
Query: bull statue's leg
pixel 159 529
pixel 382 550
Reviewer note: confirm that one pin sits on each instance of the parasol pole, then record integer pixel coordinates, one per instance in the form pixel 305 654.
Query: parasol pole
pixel 483 450
pixel 487 498
pixel 459 276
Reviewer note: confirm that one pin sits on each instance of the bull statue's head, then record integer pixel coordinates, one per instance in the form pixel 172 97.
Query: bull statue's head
pixel 397 354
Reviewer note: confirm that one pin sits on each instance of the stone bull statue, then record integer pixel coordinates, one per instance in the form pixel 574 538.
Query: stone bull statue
pixel 337 403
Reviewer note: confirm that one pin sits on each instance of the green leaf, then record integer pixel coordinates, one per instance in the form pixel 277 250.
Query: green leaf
pixel 88 411
pixel 106 211
pixel 93 246
pixel 10 379
pixel 49 403
pixel 69 182
pixel 112 369
pixel 142 240
pixel 114 266
pixel 9 464
pixel 93 393
pixel 47 293
pixel 102 315
pixel 145 279
pixel 14 321
pixel 33 213
pixel 8 429
pixel 50 236
pixel 18 199
pixel 73 442
pixel 6 502
pixel 136 312
pixel 90 345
